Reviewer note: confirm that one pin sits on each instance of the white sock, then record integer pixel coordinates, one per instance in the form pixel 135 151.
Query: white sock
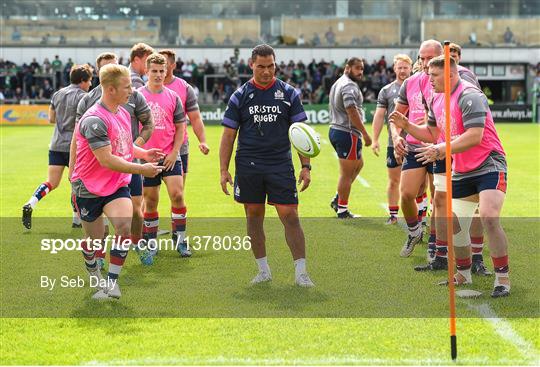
pixel 76 219
pixel 33 201
pixel 466 274
pixel 263 264
pixel 299 266
pixel 501 275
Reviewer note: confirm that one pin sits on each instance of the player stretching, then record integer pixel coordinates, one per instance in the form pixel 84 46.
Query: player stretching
pixel 103 169
pixel 385 106
pixel 140 114
pixel 346 132
pixel 62 111
pixel 191 107
pixel 169 121
pixel 260 112
pixel 479 170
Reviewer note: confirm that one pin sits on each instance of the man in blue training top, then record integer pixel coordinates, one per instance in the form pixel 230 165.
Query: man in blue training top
pixel 260 112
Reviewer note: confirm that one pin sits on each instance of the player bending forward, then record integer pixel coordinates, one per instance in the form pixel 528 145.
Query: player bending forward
pixel 479 167
pixel 102 172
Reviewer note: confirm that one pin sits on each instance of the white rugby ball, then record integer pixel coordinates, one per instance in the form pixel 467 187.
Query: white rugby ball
pixel 304 139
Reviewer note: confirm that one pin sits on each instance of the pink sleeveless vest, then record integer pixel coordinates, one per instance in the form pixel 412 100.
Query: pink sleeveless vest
pixel 471 159
pixel 417 110
pixel 97 179
pixel 180 86
pixel 162 106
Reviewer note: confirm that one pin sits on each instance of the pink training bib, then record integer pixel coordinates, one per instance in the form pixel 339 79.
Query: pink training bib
pixel 417 110
pixel 471 159
pixel 180 86
pixel 97 179
pixel 162 106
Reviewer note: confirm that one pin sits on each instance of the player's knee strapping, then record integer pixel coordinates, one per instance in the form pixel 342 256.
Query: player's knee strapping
pixel 439 181
pixel 464 211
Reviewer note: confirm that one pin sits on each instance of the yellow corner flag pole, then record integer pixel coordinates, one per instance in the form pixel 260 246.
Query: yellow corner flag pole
pixel 449 215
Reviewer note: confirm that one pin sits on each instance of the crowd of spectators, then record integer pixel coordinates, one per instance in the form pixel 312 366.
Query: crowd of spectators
pixel 37 82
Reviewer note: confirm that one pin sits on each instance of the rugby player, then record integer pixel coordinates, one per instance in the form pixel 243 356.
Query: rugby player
pixel 170 123
pixel 479 169
pixel 191 107
pixel 137 63
pixel 260 113
pixel 62 111
pixel 346 132
pixel 139 112
pixel 385 106
pixel 477 230
pixel 413 173
pixel 102 171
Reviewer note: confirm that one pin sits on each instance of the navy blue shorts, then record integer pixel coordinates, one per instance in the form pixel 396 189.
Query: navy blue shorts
pixel 391 158
pixel 347 145
pixel 156 181
pixel 90 209
pixel 185 159
pixel 135 186
pixel 473 185
pixel 410 162
pixel 439 166
pixel 58 158
pixel 253 189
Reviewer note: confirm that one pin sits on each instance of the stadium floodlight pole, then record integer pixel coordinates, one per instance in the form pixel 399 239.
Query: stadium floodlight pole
pixel 449 215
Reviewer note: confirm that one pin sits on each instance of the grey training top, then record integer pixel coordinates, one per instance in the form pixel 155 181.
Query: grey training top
pixel 387 100
pixel 137 107
pixel 474 108
pixel 136 80
pixel 344 94
pixel 64 102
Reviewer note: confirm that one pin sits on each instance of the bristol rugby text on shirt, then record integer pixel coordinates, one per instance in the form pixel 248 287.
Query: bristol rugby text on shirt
pixel 264 113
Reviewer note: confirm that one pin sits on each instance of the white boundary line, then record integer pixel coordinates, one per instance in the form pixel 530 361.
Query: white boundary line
pixel 345 360
pixel 505 330
pixel 363 181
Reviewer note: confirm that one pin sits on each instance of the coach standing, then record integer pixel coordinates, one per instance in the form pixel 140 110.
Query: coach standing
pixel 260 112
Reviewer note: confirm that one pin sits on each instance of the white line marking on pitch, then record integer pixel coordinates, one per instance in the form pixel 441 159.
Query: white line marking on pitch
pixel 324 141
pixel 347 360
pixel 363 181
pixel 505 330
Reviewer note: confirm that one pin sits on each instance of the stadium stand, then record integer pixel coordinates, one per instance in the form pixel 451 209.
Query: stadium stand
pixel 346 31
pixel 488 31
pixel 219 31
pixel 78 31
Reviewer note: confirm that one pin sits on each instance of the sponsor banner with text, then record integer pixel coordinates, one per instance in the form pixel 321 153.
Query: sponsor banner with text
pixel 24 115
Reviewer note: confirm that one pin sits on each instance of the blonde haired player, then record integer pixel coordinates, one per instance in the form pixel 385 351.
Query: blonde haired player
pixel 385 105
pixel 102 172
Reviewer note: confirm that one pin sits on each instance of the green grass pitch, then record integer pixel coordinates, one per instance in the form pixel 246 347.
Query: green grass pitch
pixel 369 306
